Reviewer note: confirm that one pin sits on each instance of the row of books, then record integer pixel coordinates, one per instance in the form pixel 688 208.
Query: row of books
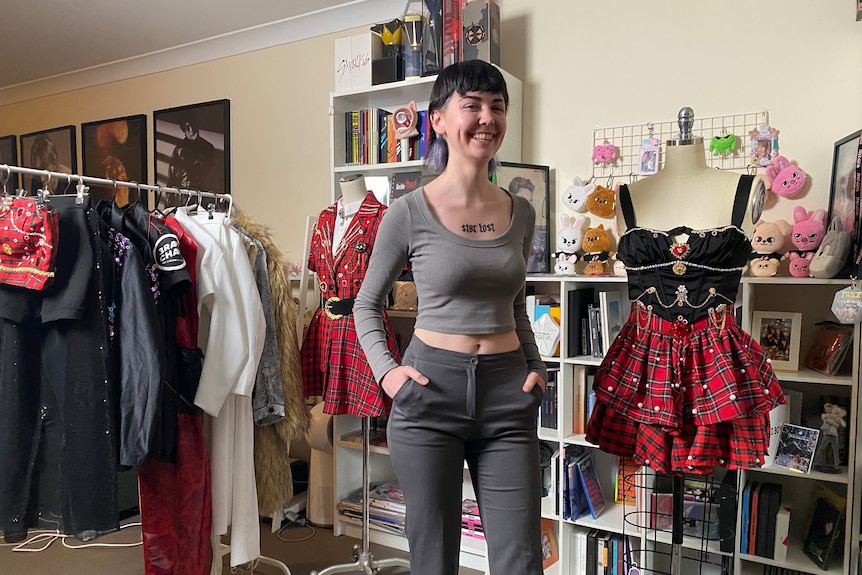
pixel 597 552
pixel 582 490
pixel 595 320
pixel 548 411
pixel 370 137
pixel 765 521
pixel 471 521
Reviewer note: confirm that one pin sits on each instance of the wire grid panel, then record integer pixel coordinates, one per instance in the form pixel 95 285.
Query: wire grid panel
pixel 628 140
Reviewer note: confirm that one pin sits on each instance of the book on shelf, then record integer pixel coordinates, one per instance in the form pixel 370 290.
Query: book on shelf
pixel 824 540
pixel 578 550
pixel 591 485
pixel 610 308
pixel 550 553
pixel 549 412
pixel 404 183
pixel 796 447
pixel 782 531
pixel 745 515
pixel 625 485
pixel 770 500
pixel 578 300
pixel 578 400
pixel 777 417
pixel 574 498
pixel 794 406
pixel 594 314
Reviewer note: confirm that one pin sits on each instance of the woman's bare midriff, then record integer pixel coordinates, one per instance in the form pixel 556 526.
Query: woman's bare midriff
pixel 481 344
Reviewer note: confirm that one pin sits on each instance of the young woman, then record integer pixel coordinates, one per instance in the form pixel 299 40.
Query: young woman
pixel 472 378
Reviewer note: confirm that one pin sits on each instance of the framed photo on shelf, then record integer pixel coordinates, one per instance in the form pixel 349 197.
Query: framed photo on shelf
pixel 9 156
pixel 192 147
pixel 843 193
pixel 532 182
pixel 115 149
pixel 778 333
pixel 54 150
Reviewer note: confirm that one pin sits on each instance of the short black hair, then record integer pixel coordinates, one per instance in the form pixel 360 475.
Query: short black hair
pixel 467 76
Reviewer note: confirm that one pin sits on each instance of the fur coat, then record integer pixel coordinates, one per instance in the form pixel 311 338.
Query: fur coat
pixel 272 443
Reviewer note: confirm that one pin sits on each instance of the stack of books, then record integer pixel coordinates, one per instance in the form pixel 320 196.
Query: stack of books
pixel 471 522
pixel 386 508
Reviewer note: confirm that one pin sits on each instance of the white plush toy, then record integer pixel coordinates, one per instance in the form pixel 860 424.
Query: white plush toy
pixel 565 264
pixel 575 196
pixel 570 234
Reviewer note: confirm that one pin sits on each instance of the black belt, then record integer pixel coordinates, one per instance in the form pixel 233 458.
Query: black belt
pixel 337 308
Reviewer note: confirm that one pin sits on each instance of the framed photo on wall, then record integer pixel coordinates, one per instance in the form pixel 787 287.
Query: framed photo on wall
pixel 532 182
pixel 115 149
pixel 843 193
pixel 54 150
pixel 9 155
pixel 778 333
pixel 192 146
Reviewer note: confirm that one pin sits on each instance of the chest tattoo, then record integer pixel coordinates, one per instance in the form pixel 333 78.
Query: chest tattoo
pixel 477 228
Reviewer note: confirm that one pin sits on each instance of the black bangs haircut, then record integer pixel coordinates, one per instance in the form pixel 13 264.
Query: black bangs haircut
pixel 468 76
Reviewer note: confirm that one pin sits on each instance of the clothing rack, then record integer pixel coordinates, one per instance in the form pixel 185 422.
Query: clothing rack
pixel 7 170
pixel 70 178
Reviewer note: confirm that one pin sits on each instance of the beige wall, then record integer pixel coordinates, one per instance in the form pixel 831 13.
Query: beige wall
pixel 583 64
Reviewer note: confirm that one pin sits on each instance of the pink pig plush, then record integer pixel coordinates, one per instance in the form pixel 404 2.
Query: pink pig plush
pixel 785 179
pixel 808 229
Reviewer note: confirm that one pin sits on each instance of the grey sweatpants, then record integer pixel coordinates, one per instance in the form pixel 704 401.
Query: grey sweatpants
pixel 472 409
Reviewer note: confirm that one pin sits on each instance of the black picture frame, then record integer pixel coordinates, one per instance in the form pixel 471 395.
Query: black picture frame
pixel 9 156
pixel 203 165
pixel 533 182
pixel 115 149
pixel 844 194
pixel 54 150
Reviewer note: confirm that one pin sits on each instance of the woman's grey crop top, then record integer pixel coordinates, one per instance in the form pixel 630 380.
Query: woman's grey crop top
pixel 464 285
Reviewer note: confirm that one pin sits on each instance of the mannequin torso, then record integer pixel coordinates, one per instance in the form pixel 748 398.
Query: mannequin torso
pixel 353 189
pixel 688 192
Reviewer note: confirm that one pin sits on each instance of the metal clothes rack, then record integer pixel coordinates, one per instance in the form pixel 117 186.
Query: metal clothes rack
pixel 81 180
pixel 69 178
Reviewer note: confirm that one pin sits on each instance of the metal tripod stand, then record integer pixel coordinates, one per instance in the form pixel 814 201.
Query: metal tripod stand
pixel 364 561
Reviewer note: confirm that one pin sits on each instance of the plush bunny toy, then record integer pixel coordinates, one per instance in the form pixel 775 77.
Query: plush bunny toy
pixel 565 264
pixel 575 196
pixel 784 178
pixel 570 234
pixel 808 230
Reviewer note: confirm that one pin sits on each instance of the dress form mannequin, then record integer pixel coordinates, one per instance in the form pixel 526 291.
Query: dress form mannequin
pixel 686 191
pixel 353 189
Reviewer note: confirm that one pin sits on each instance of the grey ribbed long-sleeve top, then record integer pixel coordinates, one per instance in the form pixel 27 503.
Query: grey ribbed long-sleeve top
pixel 464 285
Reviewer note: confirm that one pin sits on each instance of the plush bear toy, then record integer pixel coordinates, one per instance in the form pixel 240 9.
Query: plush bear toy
pixel 602 202
pixel 575 196
pixel 768 243
pixel 596 245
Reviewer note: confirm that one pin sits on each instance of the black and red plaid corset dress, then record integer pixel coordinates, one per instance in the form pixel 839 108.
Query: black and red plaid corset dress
pixel 683 388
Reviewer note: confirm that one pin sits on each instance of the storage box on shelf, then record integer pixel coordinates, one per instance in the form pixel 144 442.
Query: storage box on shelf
pixel 387 97
pixel 812 298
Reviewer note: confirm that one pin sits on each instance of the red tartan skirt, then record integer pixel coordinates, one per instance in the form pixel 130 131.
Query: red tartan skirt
pixel 334 366
pixel 684 398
